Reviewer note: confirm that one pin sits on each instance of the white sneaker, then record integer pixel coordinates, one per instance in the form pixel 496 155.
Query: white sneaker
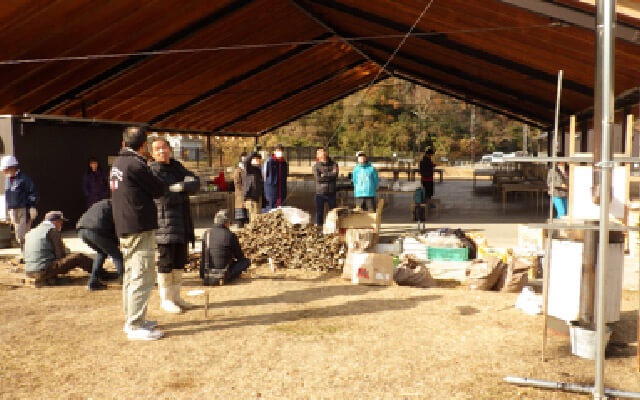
pixel 145 325
pixel 143 334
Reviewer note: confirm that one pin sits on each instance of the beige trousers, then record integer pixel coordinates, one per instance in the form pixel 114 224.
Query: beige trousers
pixel 253 208
pixel 138 251
pixel 21 223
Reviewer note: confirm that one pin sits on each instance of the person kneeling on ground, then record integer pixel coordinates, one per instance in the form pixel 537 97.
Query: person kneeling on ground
pixel 222 258
pixel 44 251
pixel 97 230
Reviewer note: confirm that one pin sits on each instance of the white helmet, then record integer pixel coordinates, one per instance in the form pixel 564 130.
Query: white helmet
pixel 8 162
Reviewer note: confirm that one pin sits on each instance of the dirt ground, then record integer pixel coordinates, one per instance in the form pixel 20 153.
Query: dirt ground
pixel 291 335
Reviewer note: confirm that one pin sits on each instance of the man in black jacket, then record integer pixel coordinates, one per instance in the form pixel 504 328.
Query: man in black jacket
pixel 133 188
pixel 253 185
pixel 175 225
pixel 222 257
pixel 95 228
pixel 325 171
pixel 426 173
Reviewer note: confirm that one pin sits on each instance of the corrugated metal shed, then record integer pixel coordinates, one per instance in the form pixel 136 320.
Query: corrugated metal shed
pixel 252 65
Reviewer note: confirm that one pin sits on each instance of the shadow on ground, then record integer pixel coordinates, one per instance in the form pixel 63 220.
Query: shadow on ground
pixel 356 307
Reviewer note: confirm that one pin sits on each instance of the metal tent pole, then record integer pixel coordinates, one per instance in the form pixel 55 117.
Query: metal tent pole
pixel 547 258
pixel 606 45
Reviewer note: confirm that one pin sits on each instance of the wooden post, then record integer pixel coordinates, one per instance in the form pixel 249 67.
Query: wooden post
pixel 572 135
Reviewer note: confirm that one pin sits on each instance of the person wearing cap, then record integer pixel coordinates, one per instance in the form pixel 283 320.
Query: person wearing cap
pixel 426 173
pixel 325 171
pixel 133 188
pixel 365 183
pixel 240 212
pixel 175 225
pixel 222 258
pixel 20 197
pixel 44 252
pixel 276 171
pixel 96 229
pixel 252 185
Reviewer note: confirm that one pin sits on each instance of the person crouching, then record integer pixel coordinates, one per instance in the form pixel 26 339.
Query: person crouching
pixel 222 259
pixel 44 253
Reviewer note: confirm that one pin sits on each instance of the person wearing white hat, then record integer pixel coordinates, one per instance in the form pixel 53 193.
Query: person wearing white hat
pixel 20 197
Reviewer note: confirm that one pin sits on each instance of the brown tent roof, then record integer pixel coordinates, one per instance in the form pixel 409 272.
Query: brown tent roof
pixel 252 65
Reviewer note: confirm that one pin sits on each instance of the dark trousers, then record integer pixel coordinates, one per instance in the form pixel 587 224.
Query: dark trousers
pixel 63 265
pixel 236 268
pixel 104 246
pixel 366 203
pixel 320 200
pixel 428 189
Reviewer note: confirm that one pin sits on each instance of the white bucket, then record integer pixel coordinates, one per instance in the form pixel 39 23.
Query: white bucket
pixel 583 341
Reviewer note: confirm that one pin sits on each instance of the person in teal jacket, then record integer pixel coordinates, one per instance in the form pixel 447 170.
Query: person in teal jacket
pixel 365 183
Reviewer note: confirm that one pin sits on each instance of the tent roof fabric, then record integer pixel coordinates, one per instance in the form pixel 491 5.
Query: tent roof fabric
pixel 249 66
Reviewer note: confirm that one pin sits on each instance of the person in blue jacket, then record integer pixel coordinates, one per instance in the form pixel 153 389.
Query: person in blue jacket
pixel 365 183
pixel 276 171
pixel 20 197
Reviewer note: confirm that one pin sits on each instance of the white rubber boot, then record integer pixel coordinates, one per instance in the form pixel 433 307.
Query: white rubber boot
pixel 165 288
pixel 177 282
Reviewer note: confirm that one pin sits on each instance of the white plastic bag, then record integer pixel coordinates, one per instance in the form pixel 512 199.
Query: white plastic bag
pixel 529 302
pixel 294 215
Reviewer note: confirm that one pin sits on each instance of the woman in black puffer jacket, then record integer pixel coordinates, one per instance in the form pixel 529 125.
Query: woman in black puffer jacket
pixel 175 225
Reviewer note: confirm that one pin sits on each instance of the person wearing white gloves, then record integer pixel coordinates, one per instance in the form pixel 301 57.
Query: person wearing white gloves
pixel 175 225
pixel 20 197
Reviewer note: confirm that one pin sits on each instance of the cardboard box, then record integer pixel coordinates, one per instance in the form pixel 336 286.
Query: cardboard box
pixel 371 268
pixel 360 240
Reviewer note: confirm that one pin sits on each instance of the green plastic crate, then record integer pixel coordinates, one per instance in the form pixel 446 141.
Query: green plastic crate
pixel 439 253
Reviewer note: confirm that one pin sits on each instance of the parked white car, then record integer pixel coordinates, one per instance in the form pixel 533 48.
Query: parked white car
pixel 497 157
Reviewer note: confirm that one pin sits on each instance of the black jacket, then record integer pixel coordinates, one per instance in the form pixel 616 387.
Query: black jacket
pixel 253 184
pixel 326 174
pixel 426 167
pixel 220 247
pixel 99 217
pixel 175 224
pixel 133 188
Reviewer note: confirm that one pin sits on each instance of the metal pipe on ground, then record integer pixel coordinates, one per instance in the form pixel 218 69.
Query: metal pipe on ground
pixel 568 387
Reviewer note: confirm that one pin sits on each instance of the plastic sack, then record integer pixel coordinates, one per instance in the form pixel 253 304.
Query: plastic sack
pixel 294 215
pixel 529 302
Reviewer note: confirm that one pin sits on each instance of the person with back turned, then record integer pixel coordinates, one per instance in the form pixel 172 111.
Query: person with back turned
pixel 222 259
pixel 133 188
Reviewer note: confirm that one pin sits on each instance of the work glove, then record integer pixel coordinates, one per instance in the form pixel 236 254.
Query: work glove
pixel 176 187
pixel 33 213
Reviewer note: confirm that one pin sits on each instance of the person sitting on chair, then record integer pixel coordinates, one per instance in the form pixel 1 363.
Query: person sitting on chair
pixel 44 253
pixel 222 259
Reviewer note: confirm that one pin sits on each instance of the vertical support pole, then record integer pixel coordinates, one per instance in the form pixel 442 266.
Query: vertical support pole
pixel 525 139
pixel 472 132
pixel 572 135
pixel 606 43
pixel 547 258
pixel 209 155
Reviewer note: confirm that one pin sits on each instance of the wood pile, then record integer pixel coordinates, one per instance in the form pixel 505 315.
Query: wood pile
pixel 271 236
pixel 12 274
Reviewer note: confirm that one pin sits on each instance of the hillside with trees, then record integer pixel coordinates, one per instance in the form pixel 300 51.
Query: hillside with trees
pixel 397 116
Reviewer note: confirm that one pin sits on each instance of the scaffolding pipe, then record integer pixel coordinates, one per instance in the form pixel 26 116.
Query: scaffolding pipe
pixel 606 44
pixel 547 258
pixel 569 387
